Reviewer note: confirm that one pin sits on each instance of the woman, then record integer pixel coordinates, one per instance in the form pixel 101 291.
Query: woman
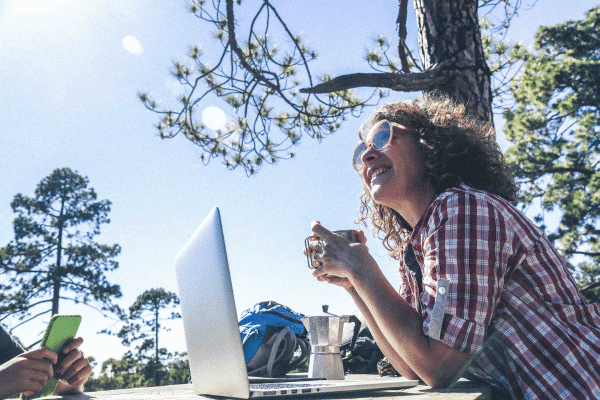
pixel 29 371
pixel 483 293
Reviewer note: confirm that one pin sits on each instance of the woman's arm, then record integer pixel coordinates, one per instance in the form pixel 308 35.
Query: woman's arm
pixel 388 351
pixel 392 318
pixel 434 362
pixel 382 342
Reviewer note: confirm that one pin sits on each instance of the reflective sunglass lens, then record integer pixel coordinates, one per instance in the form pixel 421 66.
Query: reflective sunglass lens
pixel 357 157
pixel 382 136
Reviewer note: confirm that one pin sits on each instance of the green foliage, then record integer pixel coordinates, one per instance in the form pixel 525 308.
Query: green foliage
pixel 117 374
pixel 261 80
pixel 380 60
pixel 131 372
pixel 505 60
pixel 142 327
pixel 555 129
pixel 263 72
pixel 53 255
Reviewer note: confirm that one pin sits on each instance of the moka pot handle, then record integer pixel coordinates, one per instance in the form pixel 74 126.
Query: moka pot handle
pixel 354 319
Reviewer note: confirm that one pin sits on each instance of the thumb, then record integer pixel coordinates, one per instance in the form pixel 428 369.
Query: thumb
pixel 362 239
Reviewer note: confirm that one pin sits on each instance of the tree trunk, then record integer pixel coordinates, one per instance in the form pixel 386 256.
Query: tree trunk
pixel 452 54
pixel 450 41
pixel 157 327
pixel 57 274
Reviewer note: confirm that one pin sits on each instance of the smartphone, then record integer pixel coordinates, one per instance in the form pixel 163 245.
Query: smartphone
pixel 60 331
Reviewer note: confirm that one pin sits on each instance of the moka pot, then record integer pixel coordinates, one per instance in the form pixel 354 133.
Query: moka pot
pixel 325 333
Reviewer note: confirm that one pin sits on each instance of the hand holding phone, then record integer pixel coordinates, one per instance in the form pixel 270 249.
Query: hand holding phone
pixel 61 330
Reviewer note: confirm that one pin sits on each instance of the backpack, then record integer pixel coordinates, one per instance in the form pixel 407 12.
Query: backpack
pixel 360 353
pixel 274 339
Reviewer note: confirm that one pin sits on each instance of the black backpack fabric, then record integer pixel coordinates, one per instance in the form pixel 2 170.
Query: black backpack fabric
pixel 366 354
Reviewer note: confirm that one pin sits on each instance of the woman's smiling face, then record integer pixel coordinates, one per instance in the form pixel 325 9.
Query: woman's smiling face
pixel 396 173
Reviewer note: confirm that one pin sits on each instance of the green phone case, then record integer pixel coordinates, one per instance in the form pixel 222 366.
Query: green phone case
pixel 61 330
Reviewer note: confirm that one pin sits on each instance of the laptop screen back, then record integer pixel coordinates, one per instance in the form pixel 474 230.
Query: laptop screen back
pixel 210 322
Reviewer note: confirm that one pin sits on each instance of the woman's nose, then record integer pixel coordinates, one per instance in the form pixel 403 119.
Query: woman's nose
pixel 369 155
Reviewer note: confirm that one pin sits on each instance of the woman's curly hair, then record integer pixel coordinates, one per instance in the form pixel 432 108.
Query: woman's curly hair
pixel 456 147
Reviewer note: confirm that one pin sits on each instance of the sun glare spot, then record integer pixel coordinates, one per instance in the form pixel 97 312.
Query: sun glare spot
pixel 133 45
pixel 214 118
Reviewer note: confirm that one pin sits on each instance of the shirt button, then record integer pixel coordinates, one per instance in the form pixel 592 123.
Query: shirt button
pixel 442 290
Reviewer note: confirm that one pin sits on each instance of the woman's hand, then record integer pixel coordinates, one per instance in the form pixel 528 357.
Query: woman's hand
pixel 335 280
pixel 339 261
pixel 74 369
pixel 28 372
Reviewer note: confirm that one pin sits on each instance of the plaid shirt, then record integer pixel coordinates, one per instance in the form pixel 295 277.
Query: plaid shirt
pixel 494 285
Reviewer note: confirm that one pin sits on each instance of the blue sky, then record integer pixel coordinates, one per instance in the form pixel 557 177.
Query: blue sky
pixel 70 73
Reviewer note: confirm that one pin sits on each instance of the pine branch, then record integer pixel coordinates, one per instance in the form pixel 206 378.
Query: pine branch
pixel 32 345
pixel 426 81
pixel 100 310
pixel 30 319
pixel 257 74
pixel 20 271
pixel 589 287
pixel 583 253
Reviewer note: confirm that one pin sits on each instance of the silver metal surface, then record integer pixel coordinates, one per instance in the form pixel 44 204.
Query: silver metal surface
pixel 325 333
pixel 324 349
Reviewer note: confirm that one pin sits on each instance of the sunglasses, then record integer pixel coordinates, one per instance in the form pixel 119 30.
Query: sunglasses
pixel 382 135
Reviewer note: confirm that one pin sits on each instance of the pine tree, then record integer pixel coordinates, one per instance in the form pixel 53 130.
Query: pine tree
pixel 53 256
pixel 142 326
pixel 555 128
pixel 264 72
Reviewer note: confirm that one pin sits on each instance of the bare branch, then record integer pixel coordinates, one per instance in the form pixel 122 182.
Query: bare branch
pixel 32 318
pixel 235 48
pixel 425 81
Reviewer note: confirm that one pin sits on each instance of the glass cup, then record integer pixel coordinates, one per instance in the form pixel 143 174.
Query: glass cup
pixel 313 245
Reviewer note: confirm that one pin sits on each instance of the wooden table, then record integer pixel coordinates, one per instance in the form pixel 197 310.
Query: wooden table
pixel 462 390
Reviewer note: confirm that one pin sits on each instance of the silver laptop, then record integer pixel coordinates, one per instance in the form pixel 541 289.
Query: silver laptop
pixel 212 334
